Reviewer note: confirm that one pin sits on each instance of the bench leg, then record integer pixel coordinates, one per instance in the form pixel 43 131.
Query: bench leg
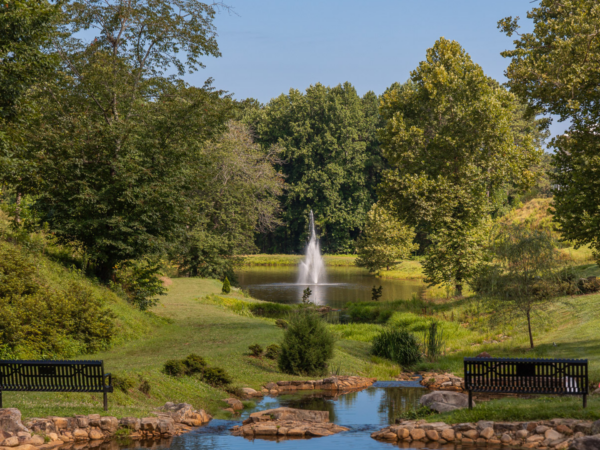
pixel 0 399
pixel 105 401
pixel 470 400
pixel 584 401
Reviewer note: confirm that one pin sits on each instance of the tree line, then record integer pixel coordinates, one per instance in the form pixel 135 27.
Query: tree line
pixel 106 148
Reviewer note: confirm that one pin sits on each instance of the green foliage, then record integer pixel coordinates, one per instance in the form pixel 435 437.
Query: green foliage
pixel 385 241
pixel 361 313
pixel 521 277
pixel 175 367
pixel 418 413
pixel 306 293
pixel 376 293
pixel 226 286
pixel 307 345
pixel 194 364
pixel 123 382
pixel 433 341
pixel 562 80
pixel 256 350
pixel 145 387
pixel 273 351
pixel 441 182
pixel 216 376
pixel 141 283
pixel 398 345
pixel 38 320
pixel 333 163
pixel 282 323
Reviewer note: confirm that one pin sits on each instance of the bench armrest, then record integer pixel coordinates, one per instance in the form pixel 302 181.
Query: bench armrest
pixel 108 386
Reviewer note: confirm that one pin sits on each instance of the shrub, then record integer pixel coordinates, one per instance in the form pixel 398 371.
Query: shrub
pixel 175 367
pixel 281 323
pixel 400 346
pixel 194 364
pixel 417 413
pixel 144 387
pixel 271 310
pixel 123 382
pixel 256 350
pixel 307 345
pixel 216 376
pixel 272 351
pixel 140 281
pixel 434 341
pixel 226 286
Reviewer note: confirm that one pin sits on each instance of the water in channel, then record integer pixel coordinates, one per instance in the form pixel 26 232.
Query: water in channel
pixel 343 284
pixel 363 412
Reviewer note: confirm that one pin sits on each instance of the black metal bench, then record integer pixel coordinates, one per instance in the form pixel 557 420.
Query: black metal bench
pixel 526 376
pixel 55 376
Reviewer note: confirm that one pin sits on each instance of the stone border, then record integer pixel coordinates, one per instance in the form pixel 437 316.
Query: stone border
pixel 336 383
pixel 556 434
pixel 171 420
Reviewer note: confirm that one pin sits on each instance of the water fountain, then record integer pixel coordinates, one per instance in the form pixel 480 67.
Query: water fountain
pixel 312 269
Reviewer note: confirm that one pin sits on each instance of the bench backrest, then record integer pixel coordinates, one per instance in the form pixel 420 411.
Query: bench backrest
pixel 527 376
pixel 52 376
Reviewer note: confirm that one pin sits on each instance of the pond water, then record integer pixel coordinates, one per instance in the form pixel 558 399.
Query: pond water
pixel 342 285
pixel 363 412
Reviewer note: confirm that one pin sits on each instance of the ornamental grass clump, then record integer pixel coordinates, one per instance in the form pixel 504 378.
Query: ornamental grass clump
pixel 307 345
pixel 398 345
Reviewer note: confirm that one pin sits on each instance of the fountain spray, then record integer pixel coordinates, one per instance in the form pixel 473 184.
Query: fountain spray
pixel 312 269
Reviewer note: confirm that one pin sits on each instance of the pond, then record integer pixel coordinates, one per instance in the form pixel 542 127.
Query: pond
pixel 342 285
pixel 363 412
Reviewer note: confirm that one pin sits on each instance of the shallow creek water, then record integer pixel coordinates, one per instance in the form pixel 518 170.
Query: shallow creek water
pixel 341 285
pixel 363 412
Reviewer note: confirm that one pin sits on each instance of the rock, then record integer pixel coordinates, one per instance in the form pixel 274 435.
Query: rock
pixel 270 386
pixel 505 438
pixel 35 440
pixel 149 424
pixel 417 434
pixel 402 433
pixel 467 441
pixel 178 411
pixel 80 435
pixel 53 436
pixel 564 429
pixel 265 430
pixel 432 435
pixel 444 401
pixel 94 420
pixel 596 392
pixel 110 424
pixel 60 423
pixel 10 420
pixel 235 404
pixel 471 434
pixel 464 427
pixel 389 436
pixel 553 435
pixel 535 438
pixel 131 423
pixel 487 433
pixel 582 427
pixel 96 434
pixel 251 392
pixel 483 424
pixel 166 426
pixel 586 443
pixel 448 434
pixel 595 427
pixel 541 429
pixel 291 414
pixel 522 434
pixel 504 427
pixel 10 442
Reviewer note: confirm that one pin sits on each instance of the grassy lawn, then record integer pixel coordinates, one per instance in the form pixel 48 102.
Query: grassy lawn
pixel 190 326
pixel 294 260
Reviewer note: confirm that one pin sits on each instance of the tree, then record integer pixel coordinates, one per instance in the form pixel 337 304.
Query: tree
pixel 332 162
pixel 521 276
pixel 112 146
pixel 385 241
pixel 556 68
pixel 235 197
pixel 451 144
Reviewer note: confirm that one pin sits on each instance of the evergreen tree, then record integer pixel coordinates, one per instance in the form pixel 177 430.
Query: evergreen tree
pixel 226 286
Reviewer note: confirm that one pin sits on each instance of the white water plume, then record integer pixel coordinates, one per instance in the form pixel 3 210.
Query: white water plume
pixel 312 269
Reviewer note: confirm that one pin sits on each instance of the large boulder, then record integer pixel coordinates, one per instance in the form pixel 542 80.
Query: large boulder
pixel 290 414
pixel 444 401
pixel 10 420
pixel 595 429
pixel 586 443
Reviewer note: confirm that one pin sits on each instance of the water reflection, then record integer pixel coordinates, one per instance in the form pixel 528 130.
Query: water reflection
pixel 344 284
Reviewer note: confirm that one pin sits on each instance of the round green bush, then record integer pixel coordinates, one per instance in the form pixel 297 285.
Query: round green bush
pixel 272 351
pixel 175 367
pixel 216 376
pixel 226 286
pixel 256 350
pixel 194 364
pixel 307 345
pixel 400 346
pixel 123 382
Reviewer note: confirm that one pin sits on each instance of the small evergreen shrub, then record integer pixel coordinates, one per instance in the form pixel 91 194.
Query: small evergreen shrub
pixel 226 286
pixel 281 323
pixel 194 364
pixel 256 350
pixel 307 345
pixel 272 351
pixel 144 387
pixel 175 367
pixel 123 382
pixel 216 377
pixel 400 346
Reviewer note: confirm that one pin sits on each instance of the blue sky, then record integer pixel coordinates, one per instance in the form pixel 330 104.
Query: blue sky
pixel 270 46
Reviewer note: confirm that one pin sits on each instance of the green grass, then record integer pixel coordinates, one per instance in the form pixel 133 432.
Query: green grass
pixel 294 260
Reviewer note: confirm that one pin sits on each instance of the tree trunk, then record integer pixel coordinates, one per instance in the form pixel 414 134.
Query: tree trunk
pixel 529 328
pixel 459 289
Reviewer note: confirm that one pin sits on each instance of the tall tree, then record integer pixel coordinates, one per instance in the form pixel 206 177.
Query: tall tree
pixel 451 144
pixel 332 160
pixel 556 68
pixel 111 149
